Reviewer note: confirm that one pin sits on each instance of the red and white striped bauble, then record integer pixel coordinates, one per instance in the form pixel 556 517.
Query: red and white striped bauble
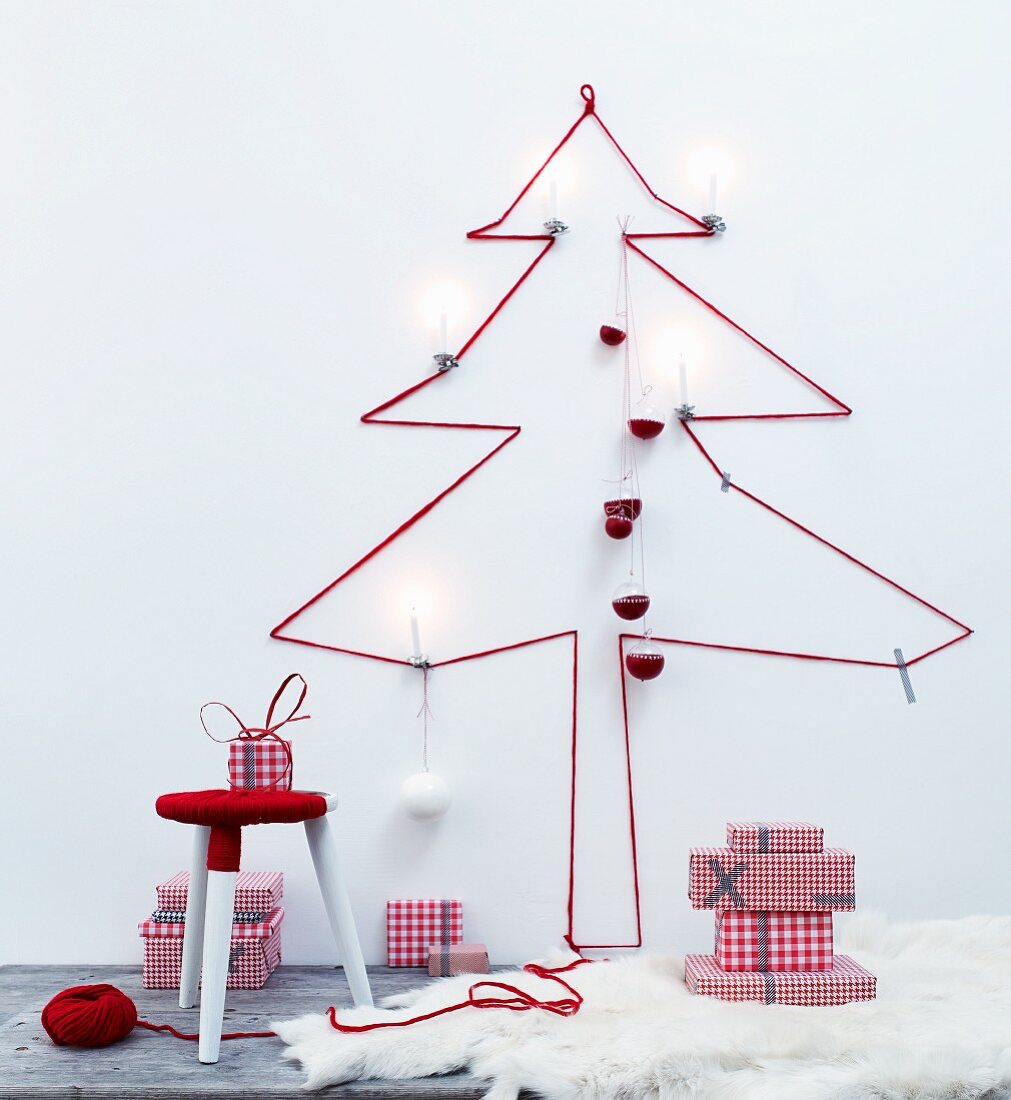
pixel 647 422
pixel 644 660
pixel 630 601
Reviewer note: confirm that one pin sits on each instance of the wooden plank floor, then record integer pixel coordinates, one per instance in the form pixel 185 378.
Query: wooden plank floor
pixel 146 1066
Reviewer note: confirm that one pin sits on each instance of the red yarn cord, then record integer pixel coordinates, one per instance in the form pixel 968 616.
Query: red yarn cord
pixel 513 430
pixel 194 1036
pixel 516 1000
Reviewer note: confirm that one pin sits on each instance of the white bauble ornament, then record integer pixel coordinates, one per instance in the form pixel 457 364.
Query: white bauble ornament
pixel 425 797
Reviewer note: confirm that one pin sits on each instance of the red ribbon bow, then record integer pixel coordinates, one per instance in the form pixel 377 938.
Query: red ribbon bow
pixel 268 729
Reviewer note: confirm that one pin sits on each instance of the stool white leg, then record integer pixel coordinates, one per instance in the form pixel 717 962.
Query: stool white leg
pixel 338 906
pixel 193 930
pixel 217 942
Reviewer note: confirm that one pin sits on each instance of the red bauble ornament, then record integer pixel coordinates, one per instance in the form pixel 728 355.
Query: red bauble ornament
pixel 630 601
pixel 618 525
pixel 611 336
pixel 646 423
pixel 623 506
pixel 644 661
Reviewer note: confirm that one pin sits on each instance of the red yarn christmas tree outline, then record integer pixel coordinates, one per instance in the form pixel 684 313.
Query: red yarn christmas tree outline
pixel 837 409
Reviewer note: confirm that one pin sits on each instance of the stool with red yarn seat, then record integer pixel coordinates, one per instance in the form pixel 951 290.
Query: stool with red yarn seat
pixel 219 817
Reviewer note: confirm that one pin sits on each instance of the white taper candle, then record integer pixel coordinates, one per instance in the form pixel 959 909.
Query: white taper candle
pixel 415 633
pixel 553 190
pixel 443 332
pixel 713 193
pixel 683 378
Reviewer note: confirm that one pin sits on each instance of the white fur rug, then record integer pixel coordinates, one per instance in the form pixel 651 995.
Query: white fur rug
pixel 941 1028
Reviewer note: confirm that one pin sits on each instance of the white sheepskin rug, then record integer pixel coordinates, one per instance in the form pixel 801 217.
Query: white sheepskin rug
pixel 941 1028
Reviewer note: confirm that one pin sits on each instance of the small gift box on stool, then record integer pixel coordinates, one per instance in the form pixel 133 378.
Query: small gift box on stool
pixel 457 958
pixel 413 925
pixel 258 757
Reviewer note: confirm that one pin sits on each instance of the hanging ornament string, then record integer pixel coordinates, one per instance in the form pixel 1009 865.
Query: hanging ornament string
pixel 509 432
pixel 424 714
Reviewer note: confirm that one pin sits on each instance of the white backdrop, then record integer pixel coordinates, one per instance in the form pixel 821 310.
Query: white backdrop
pixel 218 223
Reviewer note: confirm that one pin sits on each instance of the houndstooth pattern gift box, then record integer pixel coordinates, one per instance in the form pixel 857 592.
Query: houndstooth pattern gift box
pixel 255 764
pixel 255 891
pixel 775 836
pixel 846 981
pixel 720 878
pixel 254 953
pixel 764 941
pixel 413 925
pixel 457 958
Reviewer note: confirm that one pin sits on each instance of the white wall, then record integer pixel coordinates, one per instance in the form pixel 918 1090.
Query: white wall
pixel 217 223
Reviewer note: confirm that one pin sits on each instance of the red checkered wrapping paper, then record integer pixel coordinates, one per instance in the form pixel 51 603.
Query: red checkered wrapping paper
pixel 766 941
pixel 846 981
pixel 255 891
pixel 256 764
pixel 413 925
pixel 775 836
pixel 720 878
pixel 457 958
pixel 254 954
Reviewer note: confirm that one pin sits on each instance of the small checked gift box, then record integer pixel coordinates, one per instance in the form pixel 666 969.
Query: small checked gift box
pixel 846 981
pixel 763 941
pixel 457 958
pixel 258 756
pixel 775 836
pixel 258 764
pixel 413 925
pixel 256 892
pixel 720 878
pixel 254 955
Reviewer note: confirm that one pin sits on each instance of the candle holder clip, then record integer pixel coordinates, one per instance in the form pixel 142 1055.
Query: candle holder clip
pixel 419 660
pixel 446 361
pixel 685 412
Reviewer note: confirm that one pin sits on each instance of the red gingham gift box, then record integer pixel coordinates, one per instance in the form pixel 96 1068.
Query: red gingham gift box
pixel 763 941
pixel 846 981
pixel 775 836
pixel 257 764
pixel 457 958
pixel 720 878
pixel 254 954
pixel 255 891
pixel 413 925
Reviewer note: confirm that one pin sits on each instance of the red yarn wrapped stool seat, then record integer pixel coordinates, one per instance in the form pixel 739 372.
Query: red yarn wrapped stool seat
pixel 225 812
pixel 218 817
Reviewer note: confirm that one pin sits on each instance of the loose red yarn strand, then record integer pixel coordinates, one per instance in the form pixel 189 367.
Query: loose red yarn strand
pixel 194 1036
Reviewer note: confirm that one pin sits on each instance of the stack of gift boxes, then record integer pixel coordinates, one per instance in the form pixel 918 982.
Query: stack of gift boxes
pixel 255 951
pixel 774 889
pixel 429 932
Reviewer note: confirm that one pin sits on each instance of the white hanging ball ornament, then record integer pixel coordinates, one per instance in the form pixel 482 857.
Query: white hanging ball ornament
pixel 425 797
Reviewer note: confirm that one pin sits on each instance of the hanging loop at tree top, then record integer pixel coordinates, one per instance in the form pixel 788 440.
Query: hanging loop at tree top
pixel 586 91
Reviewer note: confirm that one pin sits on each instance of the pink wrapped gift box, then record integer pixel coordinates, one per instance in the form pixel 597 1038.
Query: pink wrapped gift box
pixel 413 925
pixel 255 764
pixel 846 981
pixel 255 891
pixel 775 836
pixel 764 941
pixel 720 878
pixel 457 958
pixel 254 955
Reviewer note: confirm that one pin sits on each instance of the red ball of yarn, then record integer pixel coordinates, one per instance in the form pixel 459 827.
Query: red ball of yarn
pixel 89 1016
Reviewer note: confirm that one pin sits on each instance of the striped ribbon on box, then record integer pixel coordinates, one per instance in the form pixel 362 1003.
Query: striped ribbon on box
pixel 178 916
